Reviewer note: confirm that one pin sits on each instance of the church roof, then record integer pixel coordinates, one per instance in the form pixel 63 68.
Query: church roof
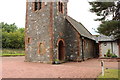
pixel 80 28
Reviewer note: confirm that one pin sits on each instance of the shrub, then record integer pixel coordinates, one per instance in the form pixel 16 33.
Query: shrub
pixel 12 36
pixel 56 61
pixel 114 56
pixel 108 54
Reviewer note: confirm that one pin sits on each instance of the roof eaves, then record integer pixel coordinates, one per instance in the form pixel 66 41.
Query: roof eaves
pixel 68 19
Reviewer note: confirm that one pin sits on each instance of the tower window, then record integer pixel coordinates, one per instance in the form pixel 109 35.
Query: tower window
pixel 60 7
pixel 41 48
pixel 29 40
pixel 37 5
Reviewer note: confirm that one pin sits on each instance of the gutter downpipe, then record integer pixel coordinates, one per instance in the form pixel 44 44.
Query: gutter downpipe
pixel 82 48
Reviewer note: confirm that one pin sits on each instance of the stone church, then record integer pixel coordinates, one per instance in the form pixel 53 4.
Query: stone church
pixel 50 34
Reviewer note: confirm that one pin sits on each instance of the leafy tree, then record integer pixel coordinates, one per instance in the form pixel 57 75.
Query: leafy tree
pixel 105 9
pixel 102 9
pixel 12 36
pixel 4 39
pixel 21 30
pixel 0 37
pixel 8 28
pixel 108 27
pixel 16 40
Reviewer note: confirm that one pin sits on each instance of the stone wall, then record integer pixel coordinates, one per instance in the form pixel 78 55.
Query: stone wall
pixel 89 48
pixel 38 30
pixel 72 39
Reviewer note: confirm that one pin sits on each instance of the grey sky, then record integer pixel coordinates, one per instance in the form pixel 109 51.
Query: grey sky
pixel 15 10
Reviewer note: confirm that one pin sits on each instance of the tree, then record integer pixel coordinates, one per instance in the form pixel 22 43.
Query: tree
pixel 108 27
pixel 21 30
pixel 12 36
pixel 0 36
pixel 104 9
pixel 8 27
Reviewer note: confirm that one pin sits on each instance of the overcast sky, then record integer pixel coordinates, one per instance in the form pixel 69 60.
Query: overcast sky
pixel 13 11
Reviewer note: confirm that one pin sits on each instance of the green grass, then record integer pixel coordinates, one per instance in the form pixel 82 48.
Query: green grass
pixel 12 52
pixel 110 73
pixel 18 54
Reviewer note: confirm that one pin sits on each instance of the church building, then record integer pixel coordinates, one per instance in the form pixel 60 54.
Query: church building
pixel 50 34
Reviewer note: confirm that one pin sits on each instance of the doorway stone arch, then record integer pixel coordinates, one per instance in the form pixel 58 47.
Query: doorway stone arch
pixel 61 50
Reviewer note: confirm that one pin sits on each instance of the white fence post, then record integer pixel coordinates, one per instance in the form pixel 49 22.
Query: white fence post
pixel 102 65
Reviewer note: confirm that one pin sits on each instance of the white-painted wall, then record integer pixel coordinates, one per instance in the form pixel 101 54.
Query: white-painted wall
pixel 104 49
pixel 116 48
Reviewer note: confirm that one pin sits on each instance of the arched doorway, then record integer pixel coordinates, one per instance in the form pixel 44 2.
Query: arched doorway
pixel 61 50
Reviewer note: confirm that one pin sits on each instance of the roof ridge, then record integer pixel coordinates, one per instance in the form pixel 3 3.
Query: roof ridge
pixel 79 23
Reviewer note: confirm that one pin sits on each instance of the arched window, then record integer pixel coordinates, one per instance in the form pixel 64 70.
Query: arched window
pixel 37 5
pixel 60 7
pixel 29 40
pixel 41 48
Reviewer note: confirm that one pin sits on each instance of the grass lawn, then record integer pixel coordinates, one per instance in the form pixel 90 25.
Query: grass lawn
pixel 12 52
pixel 110 73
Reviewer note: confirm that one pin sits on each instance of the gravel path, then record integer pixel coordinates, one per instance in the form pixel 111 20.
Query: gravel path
pixel 15 67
